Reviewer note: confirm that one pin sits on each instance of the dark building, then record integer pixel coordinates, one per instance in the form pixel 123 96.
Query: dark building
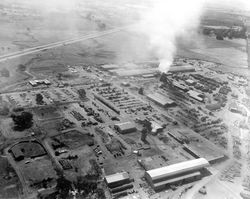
pixel 125 127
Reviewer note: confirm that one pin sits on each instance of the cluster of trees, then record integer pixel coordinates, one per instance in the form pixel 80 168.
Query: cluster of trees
pixel 42 184
pixel 63 187
pixel 95 171
pixel 229 33
pixel 81 93
pixel 84 187
pixel 22 121
pixel 101 25
pixel 21 67
pixel 39 99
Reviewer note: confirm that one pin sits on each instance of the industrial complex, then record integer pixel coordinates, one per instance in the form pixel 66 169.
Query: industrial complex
pixel 93 106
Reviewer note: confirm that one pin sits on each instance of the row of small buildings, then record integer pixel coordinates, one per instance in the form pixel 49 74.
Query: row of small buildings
pixel 39 82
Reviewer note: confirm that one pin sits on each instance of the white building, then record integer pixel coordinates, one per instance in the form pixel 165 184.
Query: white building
pixel 195 95
pixel 181 172
pixel 117 179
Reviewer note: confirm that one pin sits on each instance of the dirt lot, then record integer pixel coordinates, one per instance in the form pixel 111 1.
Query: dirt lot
pixel 74 139
pixel 81 165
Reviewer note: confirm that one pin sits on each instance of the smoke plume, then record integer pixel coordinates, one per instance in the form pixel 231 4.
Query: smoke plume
pixel 166 21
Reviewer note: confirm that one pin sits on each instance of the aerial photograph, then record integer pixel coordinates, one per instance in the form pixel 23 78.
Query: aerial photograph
pixel 125 99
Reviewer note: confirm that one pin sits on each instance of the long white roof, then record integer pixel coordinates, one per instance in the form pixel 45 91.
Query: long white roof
pixel 178 168
pixel 116 177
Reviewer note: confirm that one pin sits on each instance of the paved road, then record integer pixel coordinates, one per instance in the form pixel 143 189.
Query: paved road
pixel 60 43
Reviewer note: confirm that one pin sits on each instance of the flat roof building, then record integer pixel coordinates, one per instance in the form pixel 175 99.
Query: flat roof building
pixel 151 75
pixel 196 95
pixel 182 68
pixel 117 179
pixel 47 82
pixel 125 127
pixel 179 86
pixel 33 82
pixel 181 172
pixel 190 82
pixel 161 100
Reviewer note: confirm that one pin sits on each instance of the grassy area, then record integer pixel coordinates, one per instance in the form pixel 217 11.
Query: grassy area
pixel 47 113
pixel 10 186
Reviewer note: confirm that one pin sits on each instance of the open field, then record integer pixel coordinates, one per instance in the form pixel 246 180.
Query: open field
pixel 37 170
pixel 10 186
pixel 231 53
pixel 29 149
pixel 47 113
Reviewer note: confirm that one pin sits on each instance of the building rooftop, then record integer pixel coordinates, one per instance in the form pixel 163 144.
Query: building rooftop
pixel 181 68
pixel 178 85
pixel 125 126
pixel 159 98
pixel 117 177
pixel 178 168
pixel 189 81
pixel 177 179
pixel 195 95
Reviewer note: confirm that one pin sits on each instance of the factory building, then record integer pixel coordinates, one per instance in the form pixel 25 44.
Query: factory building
pixel 117 179
pixel 183 172
pixel 179 86
pixel 118 183
pixel 195 95
pixel 161 100
pixel 152 75
pixel 125 127
pixel 182 68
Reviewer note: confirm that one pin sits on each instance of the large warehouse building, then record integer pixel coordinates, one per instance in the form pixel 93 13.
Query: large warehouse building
pixel 182 172
pixel 161 100
pixel 195 95
pixel 182 68
pixel 118 183
pixel 117 179
pixel 125 127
